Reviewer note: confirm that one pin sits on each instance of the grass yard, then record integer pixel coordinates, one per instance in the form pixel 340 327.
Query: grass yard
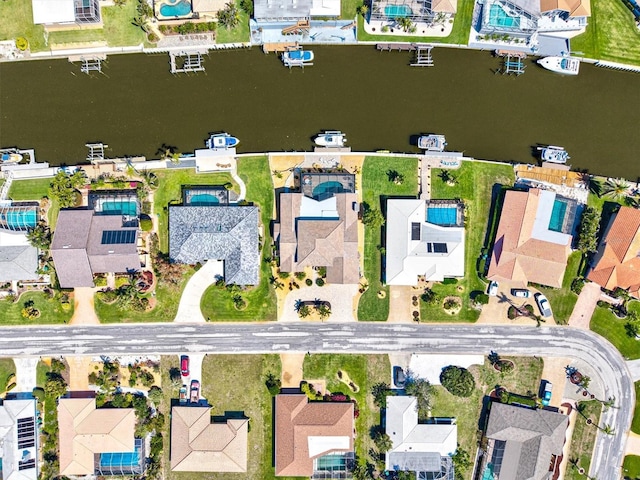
pixel 33 189
pixel 41 373
pixel 475 185
pixel 217 303
pixel 7 370
pixel 459 34
pixel 635 424
pixel 605 323
pixel 631 467
pixel 51 310
pixel 562 300
pixel 376 188
pixel 16 20
pixel 237 34
pixel 611 34
pixel 364 371
pixel 583 439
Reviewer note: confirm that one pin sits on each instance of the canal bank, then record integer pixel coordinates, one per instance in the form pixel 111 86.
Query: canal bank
pixel 136 106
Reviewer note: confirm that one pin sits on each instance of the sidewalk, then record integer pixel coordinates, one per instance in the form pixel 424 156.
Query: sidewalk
pixel 586 304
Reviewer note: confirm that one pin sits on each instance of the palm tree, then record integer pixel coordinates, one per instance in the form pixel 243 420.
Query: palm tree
pixel 615 188
pixel 608 429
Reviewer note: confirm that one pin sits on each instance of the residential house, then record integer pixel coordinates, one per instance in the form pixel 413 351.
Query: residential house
pixel 18 259
pixel 424 239
pixel 318 227
pixel 429 12
pixel 228 234
pixel 617 262
pixel 424 448
pixel 67 14
pixel 533 240
pixel 294 10
pixel 312 437
pixel 200 445
pixel 18 439
pixel 86 242
pixel 523 442
pixel 98 441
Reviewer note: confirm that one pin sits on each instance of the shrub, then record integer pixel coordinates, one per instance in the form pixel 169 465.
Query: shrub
pixel 273 384
pixel 38 393
pixel 300 275
pixel 451 304
pixel 319 282
pixel 108 296
pixel 322 271
pixel 430 297
pixel 309 282
pixel 146 224
pixel 458 381
pixel 100 281
pixel 22 44
pixel 152 37
pixel 481 299
pixel 577 285
pixel 602 304
pixel 450 281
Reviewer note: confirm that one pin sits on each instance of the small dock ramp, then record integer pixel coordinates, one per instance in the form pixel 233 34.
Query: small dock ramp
pixel 423 56
pixel 278 47
pixel 301 26
pixel 394 47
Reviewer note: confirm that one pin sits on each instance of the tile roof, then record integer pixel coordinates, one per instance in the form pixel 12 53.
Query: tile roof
pixel 18 262
pixel 444 6
pixel 330 242
pixel 531 438
pixel 576 8
pixel 85 431
pixel 198 445
pixel 300 426
pixel 229 233
pixel 521 252
pixel 617 263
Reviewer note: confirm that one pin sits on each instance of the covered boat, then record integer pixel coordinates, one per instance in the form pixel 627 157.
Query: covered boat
pixel 297 57
pixel 10 155
pixel 553 154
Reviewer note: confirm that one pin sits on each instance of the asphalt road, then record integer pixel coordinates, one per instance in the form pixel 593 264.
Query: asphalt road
pixel 164 339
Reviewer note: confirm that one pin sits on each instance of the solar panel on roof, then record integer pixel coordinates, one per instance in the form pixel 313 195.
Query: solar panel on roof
pixel 118 237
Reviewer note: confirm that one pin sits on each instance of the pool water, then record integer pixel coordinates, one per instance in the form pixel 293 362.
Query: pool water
pixel 179 9
pixel 326 188
pixel 203 199
pixel 395 11
pixel 444 216
pixel 557 215
pixel 117 460
pixel 329 462
pixel 20 219
pixel 498 17
pixel 488 472
pixel 129 208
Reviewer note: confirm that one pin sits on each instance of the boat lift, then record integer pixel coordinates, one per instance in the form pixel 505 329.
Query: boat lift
pixel 191 61
pixel 512 63
pixel 89 64
pixel 96 151
pixel 423 56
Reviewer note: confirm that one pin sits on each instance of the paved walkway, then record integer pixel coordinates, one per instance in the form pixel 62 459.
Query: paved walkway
pixel 243 187
pixel 339 296
pixel 634 369
pixel 84 312
pixel 25 374
pixel 189 308
pixel 586 304
pixel 400 307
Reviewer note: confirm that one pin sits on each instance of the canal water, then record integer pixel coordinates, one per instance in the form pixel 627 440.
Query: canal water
pixel 136 106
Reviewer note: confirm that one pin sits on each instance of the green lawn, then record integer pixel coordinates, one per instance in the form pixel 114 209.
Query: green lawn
pixel 51 311
pixel 563 300
pixel 583 439
pixel 364 371
pixel 33 189
pixel 7 370
pixel 475 184
pixel 16 20
pixel 631 467
pixel 611 34
pixel 376 188
pixel 611 327
pixel 237 34
pixel 217 303
pixel 41 373
pixel 635 424
pixel 459 34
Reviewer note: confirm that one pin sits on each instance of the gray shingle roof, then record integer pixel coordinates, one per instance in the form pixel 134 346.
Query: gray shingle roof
pixel 229 233
pixel 18 262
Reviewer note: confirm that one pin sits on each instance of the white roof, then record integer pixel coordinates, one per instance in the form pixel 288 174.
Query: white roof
pixel 430 367
pixel 407 435
pixel 543 216
pixel 406 259
pixel 10 412
pixel 53 11
pixel 325 8
pixel 13 239
pixel 311 208
pixel 322 445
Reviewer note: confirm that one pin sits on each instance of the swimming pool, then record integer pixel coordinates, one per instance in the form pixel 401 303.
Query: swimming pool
pixel 331 462
pixel 175 9
pixel 557 215
pixel 325 188
pixel 203 199
pixel 444 216
pixel 18 219
pixel 119 460
pixel 498 17
pixel 488 472
pixel 119 207
pixel 395 11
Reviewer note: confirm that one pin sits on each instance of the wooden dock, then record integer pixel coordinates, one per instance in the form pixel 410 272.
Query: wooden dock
pixel 278 47
pixel 395 47
pixel 512 53
pixel 555 174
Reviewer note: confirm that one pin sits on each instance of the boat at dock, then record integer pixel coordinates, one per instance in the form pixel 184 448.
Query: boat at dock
pixel 297 57
pixel 10 155
pixel 553 154
pixel 432 143
pixel 222 141
pixel 331 139
pixel 563 65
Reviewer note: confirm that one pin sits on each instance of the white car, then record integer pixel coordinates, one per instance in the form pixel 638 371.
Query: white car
pixel 520 292
pixel 493 289
pixel 543 305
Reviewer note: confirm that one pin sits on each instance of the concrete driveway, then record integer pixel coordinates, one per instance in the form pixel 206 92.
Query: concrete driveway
pixel 25 374
pixel 84 312
pixel 339 296
pixel 495 312
pixel 189 308
pixel 586 304
pixel 400 307
pixel 554 372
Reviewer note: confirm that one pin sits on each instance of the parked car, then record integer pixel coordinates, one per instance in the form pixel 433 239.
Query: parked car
pixel 520 292
pixel 399 378
pixel 184 365
pixel 183 394
pixel 546 393
pixel 492 291
pixel 543 305
pixel 195 391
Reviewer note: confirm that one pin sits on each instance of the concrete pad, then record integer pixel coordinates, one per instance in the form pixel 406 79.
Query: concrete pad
pixel 429 367
pixel 633 444
pixel 25 374
pixel 400 307
pixel 585 306
pixel 189 308
pixel 554 372
pixel 291 369
pixel 339 296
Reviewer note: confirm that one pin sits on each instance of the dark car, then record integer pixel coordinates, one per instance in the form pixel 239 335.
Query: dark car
pixel 195 391
pixel 399 378
pixel 184 365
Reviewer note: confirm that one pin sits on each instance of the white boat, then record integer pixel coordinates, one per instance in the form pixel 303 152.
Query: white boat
pixel 331 138
pixel 10 155
pixel 297 57
pixel 564 65
pixel 553 154
pixel 221 141
pixel 432 143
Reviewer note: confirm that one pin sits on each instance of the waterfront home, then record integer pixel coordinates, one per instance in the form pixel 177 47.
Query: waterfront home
pixel 19 439
pixel 18 259
pixel 424 448
pixel 98 441
pixel 424 239
pixel 87 242
pixel 67 14
pixel 200 445
pixel 276 11
pixel 428 13
pixel 522 443
pixel 533 240
pixel 312 438
pixel 617 264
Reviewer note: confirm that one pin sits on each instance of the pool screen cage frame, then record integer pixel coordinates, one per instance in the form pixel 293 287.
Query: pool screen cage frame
pixel 420 10
pixel 137 469
pixel 519 31
pixel 20 208
pixel 111 196
pixel 87 11
pixel 337 472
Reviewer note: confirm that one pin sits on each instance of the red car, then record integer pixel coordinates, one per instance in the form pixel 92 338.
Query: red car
pixel 184 365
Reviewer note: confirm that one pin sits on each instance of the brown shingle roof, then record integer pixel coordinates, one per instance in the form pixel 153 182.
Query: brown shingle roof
pixel 617 263
pixel 576 8
pixel 85 431
pixel 296 420
pixel 197 445
pixel 517 256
